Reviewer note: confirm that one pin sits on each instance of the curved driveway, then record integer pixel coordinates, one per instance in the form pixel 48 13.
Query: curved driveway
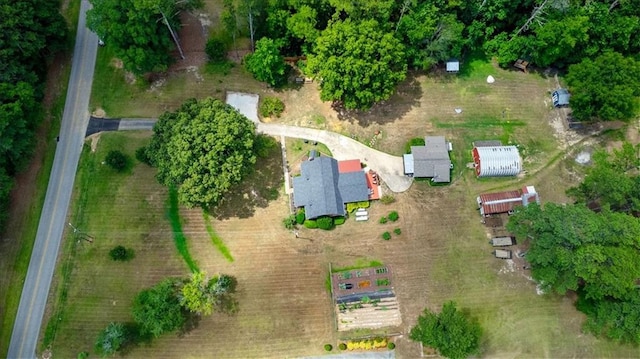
pixel 390 168
pixel 26 329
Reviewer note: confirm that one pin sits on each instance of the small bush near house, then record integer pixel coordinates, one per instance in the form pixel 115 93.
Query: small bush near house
pixel 271 106
pixel 342 346
pixel 339 220
pixel 383 220
pixel 387 199
pixel 386 236
pixel 116 160
pixel 311 224
pixel 393 216
pixel 325 223
pixel 391 346
pixel 120 253
pixel 289 222
pixel 397 231
pixel 355 205
pixel 328 347
pixel 300 216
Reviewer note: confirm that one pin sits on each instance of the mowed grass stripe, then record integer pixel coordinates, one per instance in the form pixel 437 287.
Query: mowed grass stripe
pixel 215 239
pixel 173 214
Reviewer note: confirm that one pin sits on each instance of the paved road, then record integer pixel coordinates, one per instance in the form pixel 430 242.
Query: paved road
pixel 24 338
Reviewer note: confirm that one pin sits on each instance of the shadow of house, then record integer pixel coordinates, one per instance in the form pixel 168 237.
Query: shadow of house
pixel 323 190
pixel 429 161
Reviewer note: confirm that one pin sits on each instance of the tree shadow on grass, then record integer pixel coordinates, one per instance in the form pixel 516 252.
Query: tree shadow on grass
pixel 258 188
pixel 407 96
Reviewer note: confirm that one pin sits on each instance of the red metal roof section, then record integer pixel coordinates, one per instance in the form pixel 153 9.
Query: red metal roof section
pixel 349 166
pixel 373 185
pixel 498 202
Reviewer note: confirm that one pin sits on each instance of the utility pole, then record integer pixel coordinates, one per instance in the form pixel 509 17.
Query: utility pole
pixel 173 34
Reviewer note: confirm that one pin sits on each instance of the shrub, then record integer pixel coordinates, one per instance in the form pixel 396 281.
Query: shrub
pixel 355 205
pixel 338 221
pixel 83 355
pixel 393 216
pixel 116 160
pixel 391 346
pixel 216 50
pixel 386 236
pixel 387 199
pixel 271 106
pixel 418 141
pixel 143 156
pixel 120 253
pixel 289 222
pixel 300 216
pixel 325 223
pixel 342 346
pixel 311 224
pixel 383 220
pixel 328 347
pixel 397 231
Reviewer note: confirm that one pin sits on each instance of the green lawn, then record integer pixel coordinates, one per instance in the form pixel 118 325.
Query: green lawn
pixel 90 289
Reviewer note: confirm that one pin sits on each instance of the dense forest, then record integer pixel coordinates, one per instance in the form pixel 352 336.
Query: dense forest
pixel 360 50
pixel 31 32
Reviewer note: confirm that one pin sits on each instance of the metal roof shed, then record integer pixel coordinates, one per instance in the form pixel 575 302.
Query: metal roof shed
pixel 497 161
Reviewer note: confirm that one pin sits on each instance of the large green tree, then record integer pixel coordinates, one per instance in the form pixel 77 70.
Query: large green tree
pixel 451 331
pixel 572 247
pixel 606 88
pixel 266 64
pixel 138 30
pixel 157 310
pixel 204 148
pixel 203 296
pixel 357 63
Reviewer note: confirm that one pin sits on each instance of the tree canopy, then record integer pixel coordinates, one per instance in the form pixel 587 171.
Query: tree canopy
pixel 357 63
pixel 111 339
pixel 451 332
pixel 203 148
pixel 572 247
pixel 138 30
pixel 31 32
pixel 606 88
pixel 266 64
pixel 157 310
pixel 203 296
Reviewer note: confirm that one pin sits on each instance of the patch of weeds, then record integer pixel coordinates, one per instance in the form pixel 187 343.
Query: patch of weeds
pixel 120 253
pixel 173 214
pixel 417 141
pixel 393 216
pixel 387 199
pixel 215 239
pixel 360 263
pixel 319 120
pixel 386 236
pixel 382 220
pixel 397 231
pixel 221 68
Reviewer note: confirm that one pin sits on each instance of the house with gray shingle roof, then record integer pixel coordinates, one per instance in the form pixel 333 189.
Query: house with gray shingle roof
pixel 323 190
pixel 429 161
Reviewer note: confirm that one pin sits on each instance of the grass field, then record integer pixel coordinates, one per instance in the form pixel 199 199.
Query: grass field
pixel 285 309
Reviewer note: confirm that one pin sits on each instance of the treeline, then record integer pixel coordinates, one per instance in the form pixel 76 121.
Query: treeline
pixel 360 50
pixel 31 32
pixel 592 247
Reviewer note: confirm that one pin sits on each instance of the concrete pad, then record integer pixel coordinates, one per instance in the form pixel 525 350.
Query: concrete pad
pixel 245 103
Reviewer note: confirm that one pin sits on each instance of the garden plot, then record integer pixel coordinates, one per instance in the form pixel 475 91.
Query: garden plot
pixel 364 298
